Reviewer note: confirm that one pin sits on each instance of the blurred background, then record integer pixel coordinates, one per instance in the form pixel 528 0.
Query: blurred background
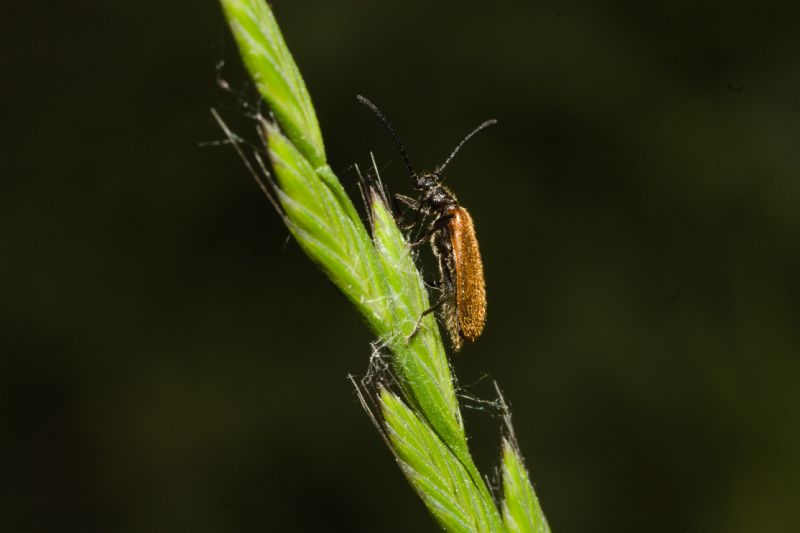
pixel 170 361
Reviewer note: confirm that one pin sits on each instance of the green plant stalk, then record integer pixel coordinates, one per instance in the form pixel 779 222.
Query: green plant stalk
pixel 521 510
pixel 377 274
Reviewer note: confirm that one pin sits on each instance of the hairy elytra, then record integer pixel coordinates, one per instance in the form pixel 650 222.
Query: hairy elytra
pixel 451 233
pixel 467 320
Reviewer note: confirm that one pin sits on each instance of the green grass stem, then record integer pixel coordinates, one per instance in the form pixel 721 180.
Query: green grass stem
pixel 375 270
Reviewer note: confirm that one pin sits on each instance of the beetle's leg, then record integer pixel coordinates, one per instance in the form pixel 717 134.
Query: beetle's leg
pixel 423 211
pixel 412 205
pixel 433 284
pixel 422 239
pixel 434 226
pixel 407 201
pixel 428 311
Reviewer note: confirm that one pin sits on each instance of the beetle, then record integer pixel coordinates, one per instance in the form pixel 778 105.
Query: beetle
pixel 451 234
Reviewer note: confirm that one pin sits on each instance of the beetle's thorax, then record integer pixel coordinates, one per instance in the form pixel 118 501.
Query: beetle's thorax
pixel 435 196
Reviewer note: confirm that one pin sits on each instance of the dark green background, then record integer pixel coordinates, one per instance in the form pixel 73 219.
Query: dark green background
pixel 169 363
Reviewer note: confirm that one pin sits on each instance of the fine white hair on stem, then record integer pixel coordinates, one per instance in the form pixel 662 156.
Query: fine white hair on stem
pixel 235 140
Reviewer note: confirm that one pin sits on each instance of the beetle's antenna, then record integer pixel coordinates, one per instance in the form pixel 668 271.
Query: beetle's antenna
pixel 486 124
pixel 397 140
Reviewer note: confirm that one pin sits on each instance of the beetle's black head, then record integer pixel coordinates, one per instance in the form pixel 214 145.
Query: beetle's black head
pixel 427 181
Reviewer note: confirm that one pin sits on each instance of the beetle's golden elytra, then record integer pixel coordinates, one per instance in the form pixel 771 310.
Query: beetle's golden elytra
pixel 451 234
pixel 464 259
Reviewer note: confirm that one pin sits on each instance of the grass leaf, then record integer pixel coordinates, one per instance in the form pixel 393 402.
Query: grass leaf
pixel 521 510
